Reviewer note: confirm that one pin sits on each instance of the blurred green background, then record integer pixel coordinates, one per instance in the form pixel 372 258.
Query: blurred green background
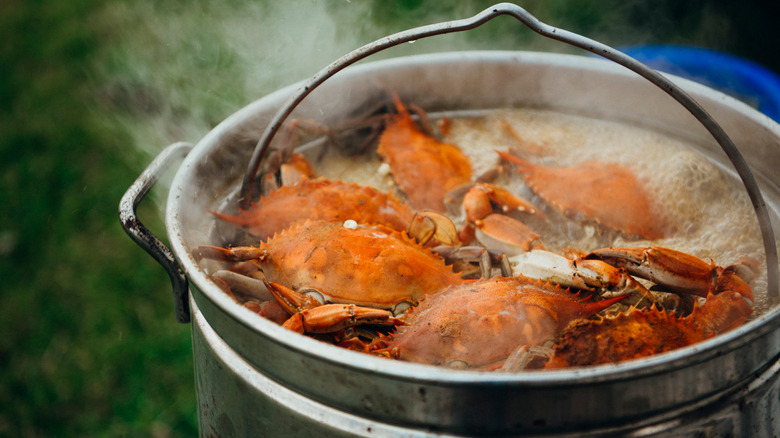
pixel 92 90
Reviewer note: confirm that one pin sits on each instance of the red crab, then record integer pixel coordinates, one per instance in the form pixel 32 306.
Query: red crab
pixel 429 171
pixel 480 324
pixel 607 193
pixel 639 333
pixel 319 262
pixel 424 168
pixel 320 199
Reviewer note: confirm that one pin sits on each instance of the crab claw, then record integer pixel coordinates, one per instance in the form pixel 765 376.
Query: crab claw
pixel 429 225
pixel 293 301
pixel 729 279
pixel 294 170
pixel 581 273
pixel 310 315
pixel 494 230
pixel 478 201
pixel 678 271
pixel 334 317
pixel 507 235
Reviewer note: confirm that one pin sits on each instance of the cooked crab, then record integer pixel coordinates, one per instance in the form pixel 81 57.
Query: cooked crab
pixel 639 333
pixel 424 168
pixel 434 175
pixel 320 199
pixel 479 324
pixel 604 192
pixel 330 263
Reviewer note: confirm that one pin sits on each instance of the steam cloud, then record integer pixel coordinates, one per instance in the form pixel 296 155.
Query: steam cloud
pixel 181 71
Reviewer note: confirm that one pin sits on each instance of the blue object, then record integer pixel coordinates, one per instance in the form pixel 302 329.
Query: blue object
pixel 747 81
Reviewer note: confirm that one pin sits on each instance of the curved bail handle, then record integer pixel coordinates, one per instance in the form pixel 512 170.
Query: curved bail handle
pixel 759 205
pixel 145 238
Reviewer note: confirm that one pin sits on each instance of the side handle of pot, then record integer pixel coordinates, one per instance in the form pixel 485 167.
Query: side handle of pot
pixel 145 238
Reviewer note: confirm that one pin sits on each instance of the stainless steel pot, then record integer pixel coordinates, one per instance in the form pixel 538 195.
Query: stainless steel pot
pixel 255 377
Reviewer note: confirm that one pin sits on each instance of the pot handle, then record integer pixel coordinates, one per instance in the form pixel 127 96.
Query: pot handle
pixel 145 238
pixel 595 47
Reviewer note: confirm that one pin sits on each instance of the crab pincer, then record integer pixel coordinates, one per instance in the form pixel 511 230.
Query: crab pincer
pixel 485 207
pixel 309 315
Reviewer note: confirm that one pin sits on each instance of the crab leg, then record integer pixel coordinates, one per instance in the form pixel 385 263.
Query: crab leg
pixel 461 259
pixel 291 167
pixel 243 285
pixel 678 271
pixel 478 201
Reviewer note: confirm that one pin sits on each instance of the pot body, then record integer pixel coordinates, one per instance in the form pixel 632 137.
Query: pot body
pixel 236 399
pixel 409 398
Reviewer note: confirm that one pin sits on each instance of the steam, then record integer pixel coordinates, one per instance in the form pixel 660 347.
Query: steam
pixel 174 73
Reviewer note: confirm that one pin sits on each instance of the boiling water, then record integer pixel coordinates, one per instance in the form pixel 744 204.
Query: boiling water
pixel 704 203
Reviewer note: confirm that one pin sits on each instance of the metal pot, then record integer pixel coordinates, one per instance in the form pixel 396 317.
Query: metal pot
pixel 254 377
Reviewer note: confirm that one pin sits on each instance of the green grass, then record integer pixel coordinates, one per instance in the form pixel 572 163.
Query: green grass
pixel 89 344
pixel 91 90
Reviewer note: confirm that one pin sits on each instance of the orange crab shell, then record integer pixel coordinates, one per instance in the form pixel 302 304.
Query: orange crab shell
pixel 423 167
pixel 641 333
pixel 607 193
pixel 372 266
pixel 320 199
pixel 481 323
